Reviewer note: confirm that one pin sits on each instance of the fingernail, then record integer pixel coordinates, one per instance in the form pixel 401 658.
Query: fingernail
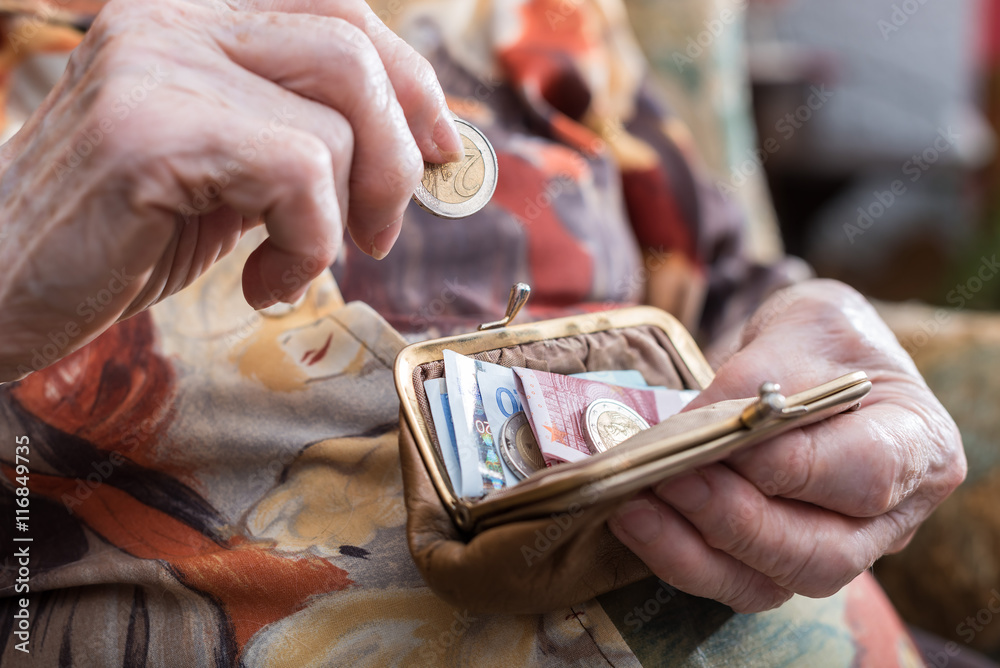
pixel 689 493
pixel 640 520
pixel 383 242
pixel 264 303
pixel 446 138
pixel 296 297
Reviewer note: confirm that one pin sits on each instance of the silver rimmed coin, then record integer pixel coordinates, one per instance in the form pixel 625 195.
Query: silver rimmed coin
pixel 607 423
pixel 519 447
pixel 459 189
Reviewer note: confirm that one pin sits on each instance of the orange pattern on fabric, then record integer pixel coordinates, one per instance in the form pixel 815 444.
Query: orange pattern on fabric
pixel 655 217
pixel 22 37
pixel 541 60
pixel 561 270
pixel 879 636
pixel 258 587
pixel 254 585
pixel 116 393
pixel 122 520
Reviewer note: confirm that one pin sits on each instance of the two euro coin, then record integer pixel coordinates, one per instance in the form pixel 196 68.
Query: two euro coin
pixel 459 189
pixel 607 423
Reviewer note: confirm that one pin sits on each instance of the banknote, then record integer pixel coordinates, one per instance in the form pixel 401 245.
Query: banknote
pixel 501 401
pixel 437 396
pixel 501 398
pixel 555 404
pixel 478 455
pixel 625 378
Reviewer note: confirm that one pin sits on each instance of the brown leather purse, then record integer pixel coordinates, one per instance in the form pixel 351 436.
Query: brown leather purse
pixel 544 544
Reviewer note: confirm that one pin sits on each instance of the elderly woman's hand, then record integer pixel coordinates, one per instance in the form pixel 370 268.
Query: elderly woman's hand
pixel 180 124
pixel 810 510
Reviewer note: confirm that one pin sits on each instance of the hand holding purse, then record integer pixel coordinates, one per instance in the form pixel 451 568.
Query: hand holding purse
pixel 544 544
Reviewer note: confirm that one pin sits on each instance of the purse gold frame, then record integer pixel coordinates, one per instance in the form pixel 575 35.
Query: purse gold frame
pixel 685 354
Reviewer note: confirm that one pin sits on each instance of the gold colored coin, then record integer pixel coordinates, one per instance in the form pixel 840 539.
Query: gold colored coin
pixel 459 189
pixel 519 447
pixel 456 182
pixel 607 423
pixel 527 447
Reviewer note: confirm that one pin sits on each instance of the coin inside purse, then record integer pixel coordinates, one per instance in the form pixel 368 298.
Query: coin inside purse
pixel 643 339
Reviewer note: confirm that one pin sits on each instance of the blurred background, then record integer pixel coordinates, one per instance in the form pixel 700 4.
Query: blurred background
pixel 887 180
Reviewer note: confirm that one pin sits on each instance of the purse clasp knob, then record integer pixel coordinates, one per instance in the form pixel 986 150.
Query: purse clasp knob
pixel 771 404
pixel 519 294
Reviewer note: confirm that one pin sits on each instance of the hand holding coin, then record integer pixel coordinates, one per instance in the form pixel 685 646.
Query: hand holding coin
pixel 459 189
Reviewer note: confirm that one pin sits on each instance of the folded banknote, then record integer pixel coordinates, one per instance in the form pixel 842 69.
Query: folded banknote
pixel 475 400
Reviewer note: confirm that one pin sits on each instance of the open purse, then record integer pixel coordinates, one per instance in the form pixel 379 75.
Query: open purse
pixel 544 544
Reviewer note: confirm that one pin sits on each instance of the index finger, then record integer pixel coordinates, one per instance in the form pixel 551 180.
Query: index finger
pixel 412 77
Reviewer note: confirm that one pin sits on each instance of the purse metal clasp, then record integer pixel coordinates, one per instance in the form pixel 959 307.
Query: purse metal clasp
pixel 519 294
pixel 771 404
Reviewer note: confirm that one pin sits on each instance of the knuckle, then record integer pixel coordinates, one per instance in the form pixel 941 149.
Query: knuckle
pixel 358 8
pixel 405 170
pixel 956 466
pixel 738 589
pixel 825 291
pixel 955 473
pixel 880 498
pixel 761 599
pixel 339 136
pixel 831 567
pixel 423 78
pixel 358 48
pixel 740 533
pixel 309 160
pixel 793 477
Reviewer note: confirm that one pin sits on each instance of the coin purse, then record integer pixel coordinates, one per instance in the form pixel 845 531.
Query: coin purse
pixel 543 544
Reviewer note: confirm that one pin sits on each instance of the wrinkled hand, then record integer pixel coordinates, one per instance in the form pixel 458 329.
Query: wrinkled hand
pixel 176 127
pixel 808 511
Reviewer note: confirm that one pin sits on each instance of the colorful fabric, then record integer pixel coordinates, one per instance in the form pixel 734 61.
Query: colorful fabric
pixel 601 199
pixel 210 486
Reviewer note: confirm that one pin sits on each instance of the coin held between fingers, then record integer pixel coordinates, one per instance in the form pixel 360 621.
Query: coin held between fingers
pixel 459 189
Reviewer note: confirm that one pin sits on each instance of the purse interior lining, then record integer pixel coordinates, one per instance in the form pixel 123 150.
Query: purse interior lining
pixel 645 349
